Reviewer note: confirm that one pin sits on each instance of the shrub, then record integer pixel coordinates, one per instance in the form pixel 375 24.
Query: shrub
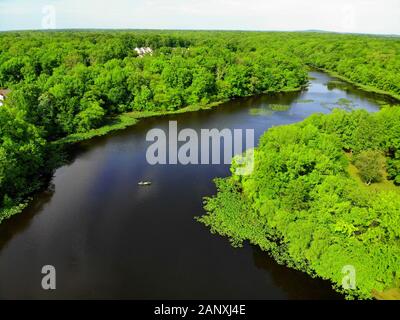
pixel 371 166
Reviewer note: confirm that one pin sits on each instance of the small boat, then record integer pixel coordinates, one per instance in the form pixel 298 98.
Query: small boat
pixel 144 183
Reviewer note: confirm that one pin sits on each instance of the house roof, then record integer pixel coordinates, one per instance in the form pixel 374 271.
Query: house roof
pixel 143 50
pixel 4 92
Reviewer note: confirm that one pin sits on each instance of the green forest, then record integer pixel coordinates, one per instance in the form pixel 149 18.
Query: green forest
pixel 304 203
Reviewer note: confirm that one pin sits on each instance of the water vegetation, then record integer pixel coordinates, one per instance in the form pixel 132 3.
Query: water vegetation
pixel 279 107
pixel 344 102
pixel 268 110
pixel 336 84
pixel 304 203
pixel 312 205
pixel 69 86
pixel 260 112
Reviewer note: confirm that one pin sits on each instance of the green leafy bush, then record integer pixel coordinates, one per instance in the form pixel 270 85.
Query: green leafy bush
pixel 371 166
pixel 301 205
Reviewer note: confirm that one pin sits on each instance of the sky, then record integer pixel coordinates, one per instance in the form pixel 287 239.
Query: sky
pixel 356 16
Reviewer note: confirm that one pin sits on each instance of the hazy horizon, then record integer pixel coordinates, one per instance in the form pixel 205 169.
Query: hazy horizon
pixel 342 16
pixel 222 30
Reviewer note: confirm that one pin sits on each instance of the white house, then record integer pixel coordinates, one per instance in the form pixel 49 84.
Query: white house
pixel 3 94
pixel 143 50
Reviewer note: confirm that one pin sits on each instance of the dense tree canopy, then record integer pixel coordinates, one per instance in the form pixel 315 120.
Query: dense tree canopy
pixel 68 82
pixel 64 83
pixel 303 206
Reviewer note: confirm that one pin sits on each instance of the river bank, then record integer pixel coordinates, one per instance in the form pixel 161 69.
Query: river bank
pixel 358 85
pixel 129 119
pixel 119 234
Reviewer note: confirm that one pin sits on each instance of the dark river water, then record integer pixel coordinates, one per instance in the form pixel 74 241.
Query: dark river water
pixel 109 238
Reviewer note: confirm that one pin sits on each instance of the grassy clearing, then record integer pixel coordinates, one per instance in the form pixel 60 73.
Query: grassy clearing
pixel 385 185
pixel 390 294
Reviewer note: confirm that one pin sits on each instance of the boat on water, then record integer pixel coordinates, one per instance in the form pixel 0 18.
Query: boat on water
pixel 144 183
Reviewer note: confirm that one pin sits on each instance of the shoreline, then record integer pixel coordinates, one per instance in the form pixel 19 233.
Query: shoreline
pixel 360 86
pixel 129 119
pixel 118 123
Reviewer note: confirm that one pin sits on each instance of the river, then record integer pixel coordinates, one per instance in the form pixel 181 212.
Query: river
pixel 109 238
